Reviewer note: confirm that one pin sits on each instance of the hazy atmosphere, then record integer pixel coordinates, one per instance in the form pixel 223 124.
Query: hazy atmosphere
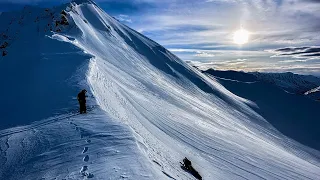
pixel 283 35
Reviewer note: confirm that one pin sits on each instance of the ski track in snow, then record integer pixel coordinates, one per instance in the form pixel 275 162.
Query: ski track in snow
pixel 150 111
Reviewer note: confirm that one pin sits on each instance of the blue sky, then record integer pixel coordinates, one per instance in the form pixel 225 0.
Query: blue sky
pixel 284 34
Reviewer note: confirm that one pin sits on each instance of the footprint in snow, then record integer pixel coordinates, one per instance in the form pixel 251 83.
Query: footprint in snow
pixel 83 169
pixel 86 158
pixel 123 176
pixel 84 172
pixel 85 149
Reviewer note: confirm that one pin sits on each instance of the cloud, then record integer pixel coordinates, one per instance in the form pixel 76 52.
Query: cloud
pixel 292 61
pixel 204 54
pixel 123 18
pixel 290 49
pixel 238 65
pixel 312 52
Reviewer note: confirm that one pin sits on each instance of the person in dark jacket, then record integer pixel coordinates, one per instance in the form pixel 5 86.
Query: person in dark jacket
pixel 82 101
pixel 186 165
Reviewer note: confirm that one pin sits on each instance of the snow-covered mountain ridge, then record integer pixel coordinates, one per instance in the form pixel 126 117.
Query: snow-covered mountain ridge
pixel 291 82
pixel 290 112
pixel 148 109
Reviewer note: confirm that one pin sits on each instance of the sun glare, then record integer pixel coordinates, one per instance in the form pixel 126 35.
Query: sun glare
pixel 241 36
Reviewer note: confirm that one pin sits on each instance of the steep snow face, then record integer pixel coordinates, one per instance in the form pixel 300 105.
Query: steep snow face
pixel 178 112
pixel 173 111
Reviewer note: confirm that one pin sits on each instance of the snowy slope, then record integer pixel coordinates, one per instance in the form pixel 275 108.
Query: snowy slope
pixel 40 79
pixel 156 111
pixel 70 146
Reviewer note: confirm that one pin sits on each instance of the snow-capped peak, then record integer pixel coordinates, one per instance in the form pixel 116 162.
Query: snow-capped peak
pixel 83 1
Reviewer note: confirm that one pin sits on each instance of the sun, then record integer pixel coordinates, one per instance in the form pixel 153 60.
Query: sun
pixel 241 36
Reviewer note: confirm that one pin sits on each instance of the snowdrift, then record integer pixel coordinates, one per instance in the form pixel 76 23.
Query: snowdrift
pixel 149 109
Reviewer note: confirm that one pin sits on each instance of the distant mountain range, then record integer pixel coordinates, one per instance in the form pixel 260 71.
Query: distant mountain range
pixel 288 101
pixel 306 85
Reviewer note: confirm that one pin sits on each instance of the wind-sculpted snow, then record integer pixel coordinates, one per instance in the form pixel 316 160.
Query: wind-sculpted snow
pixel 173 110
pixel 72 146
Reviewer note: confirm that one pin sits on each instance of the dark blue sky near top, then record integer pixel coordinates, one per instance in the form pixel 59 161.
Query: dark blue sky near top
pixel 284 34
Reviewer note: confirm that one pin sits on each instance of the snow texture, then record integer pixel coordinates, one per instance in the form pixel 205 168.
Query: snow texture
pixel 148 109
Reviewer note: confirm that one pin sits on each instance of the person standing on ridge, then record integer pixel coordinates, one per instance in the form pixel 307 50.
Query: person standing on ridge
pixel 82 101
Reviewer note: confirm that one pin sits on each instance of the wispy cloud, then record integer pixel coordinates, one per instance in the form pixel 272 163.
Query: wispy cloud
pixel 273 25
pixel 204 54
pixel 123 18
pixel 298 52
pixel 292 61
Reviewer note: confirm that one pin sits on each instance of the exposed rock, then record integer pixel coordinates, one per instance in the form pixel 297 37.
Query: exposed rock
pixel 4 36
pixel 4 53
pixel 63 13
pixel 4 45
pixel 64 20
